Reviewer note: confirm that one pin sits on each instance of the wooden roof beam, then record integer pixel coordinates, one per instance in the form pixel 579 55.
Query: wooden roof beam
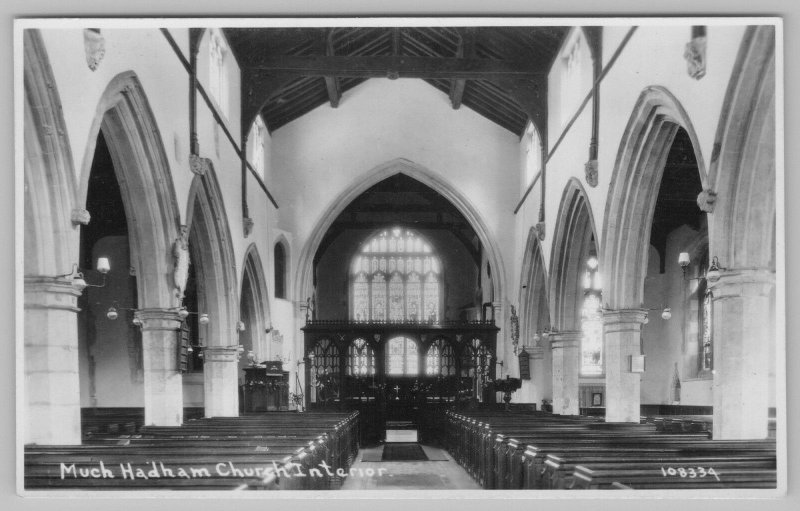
pixel 397 66
pixel 466 48
pixel 331 82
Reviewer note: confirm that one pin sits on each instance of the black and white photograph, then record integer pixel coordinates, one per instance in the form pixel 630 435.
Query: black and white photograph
pixel 420 256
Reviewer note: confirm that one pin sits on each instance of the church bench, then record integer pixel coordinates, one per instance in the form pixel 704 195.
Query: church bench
pixel 558 470
pixel 653 477
pixel 533 457
pixel 509 452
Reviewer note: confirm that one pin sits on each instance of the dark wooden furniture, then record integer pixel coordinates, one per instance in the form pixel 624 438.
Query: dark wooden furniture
pixel 266 388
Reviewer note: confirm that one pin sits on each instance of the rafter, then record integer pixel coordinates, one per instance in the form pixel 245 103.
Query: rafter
pixel 466 49
pixel 401 66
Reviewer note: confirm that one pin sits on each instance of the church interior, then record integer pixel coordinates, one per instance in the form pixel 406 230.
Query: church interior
pixel 364 257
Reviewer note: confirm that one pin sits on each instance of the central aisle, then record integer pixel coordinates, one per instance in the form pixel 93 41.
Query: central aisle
pixel 442 474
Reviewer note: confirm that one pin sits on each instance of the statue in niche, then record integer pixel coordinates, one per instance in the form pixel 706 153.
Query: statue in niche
pixel 180 259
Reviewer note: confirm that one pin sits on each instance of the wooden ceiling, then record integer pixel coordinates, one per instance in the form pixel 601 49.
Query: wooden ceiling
pixel 500 72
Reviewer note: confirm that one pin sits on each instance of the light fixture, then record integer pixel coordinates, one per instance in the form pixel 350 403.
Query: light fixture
pixel 183 313
pixel 203 319
pixel 683 261
pixel 240 326
pixel 76 275
pixel 713 274
pixel 112 313
pixel 592 263
pixel 666 314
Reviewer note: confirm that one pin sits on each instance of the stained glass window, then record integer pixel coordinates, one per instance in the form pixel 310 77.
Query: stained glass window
pixel 378 297
pixel 360 298
pixel 401 356
pixel 413 297
pixel 361 359
pixel 592 321
pixel 396 306
pixel 398 281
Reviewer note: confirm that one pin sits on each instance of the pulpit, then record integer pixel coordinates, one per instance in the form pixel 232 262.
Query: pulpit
pixel 266 387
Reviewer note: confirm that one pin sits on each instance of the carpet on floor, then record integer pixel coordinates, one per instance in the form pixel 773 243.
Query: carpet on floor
pixel 403 452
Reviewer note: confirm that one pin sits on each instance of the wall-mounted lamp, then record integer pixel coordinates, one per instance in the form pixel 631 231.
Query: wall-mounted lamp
pixel 714 271
pixel 240 326
pixel 76 275
pixel 666 314
pixel 684 260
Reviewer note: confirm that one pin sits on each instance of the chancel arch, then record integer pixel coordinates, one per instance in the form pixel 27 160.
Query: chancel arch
pixel 305 282
pixel 212 254
pixel 575 250
pixel 534 317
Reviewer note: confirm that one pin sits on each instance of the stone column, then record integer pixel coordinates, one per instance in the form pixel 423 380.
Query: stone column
pixel 163 383
pixel 52 381
pixel 741 317
pixel 221 374
pixel 566 371
pixel 622 338
pixel 538 374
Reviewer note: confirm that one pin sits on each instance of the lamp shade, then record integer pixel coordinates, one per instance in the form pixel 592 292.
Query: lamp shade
pixel 203 320
pixel 112 313
pixel 103 266
pixel 666 314
pixel 683 259
pixel 78 283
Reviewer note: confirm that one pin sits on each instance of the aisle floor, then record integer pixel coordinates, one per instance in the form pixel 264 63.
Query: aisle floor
pixel 409 475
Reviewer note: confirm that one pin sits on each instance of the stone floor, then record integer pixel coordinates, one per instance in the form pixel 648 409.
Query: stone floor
pixel 408 475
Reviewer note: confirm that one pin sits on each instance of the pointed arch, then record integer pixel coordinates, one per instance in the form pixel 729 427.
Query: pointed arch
pixel 533 297
pixel 743 173
pixel 140 162
pixel 254 303
pixel 639 167
pixel 305 268
pixel 213 256
pixel 574 232
pixel 51 242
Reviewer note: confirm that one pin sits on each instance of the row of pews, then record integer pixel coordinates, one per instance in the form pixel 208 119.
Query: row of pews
pixel 535 450
pixel 276 451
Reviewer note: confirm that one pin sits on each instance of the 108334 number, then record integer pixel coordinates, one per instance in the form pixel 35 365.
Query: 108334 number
pixel 689 472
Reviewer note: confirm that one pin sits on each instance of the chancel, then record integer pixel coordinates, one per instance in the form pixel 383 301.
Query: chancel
pixel 400 255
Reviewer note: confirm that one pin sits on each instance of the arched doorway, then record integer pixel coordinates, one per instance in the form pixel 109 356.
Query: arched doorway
pixel 574 247
pixel 646 147
pixel 534 316
pixel 254 310
pixel 211 253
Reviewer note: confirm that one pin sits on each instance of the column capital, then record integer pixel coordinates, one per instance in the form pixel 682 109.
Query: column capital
pixel 221 353
pixel 42 292
pixel 743 282
pixel 569 339
pixel 535 352
pixel 618 320
pixel 158 319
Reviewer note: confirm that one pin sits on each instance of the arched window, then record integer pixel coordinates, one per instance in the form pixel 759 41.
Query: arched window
pixel 702 301
pixel 592 320
pixel 402 357
pixel 280 271
pixel 360 359
pixel 533 155
pixel 395 276
pixel 440 359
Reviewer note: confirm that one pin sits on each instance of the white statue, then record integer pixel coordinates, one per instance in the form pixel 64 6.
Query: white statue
pixel 180 257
